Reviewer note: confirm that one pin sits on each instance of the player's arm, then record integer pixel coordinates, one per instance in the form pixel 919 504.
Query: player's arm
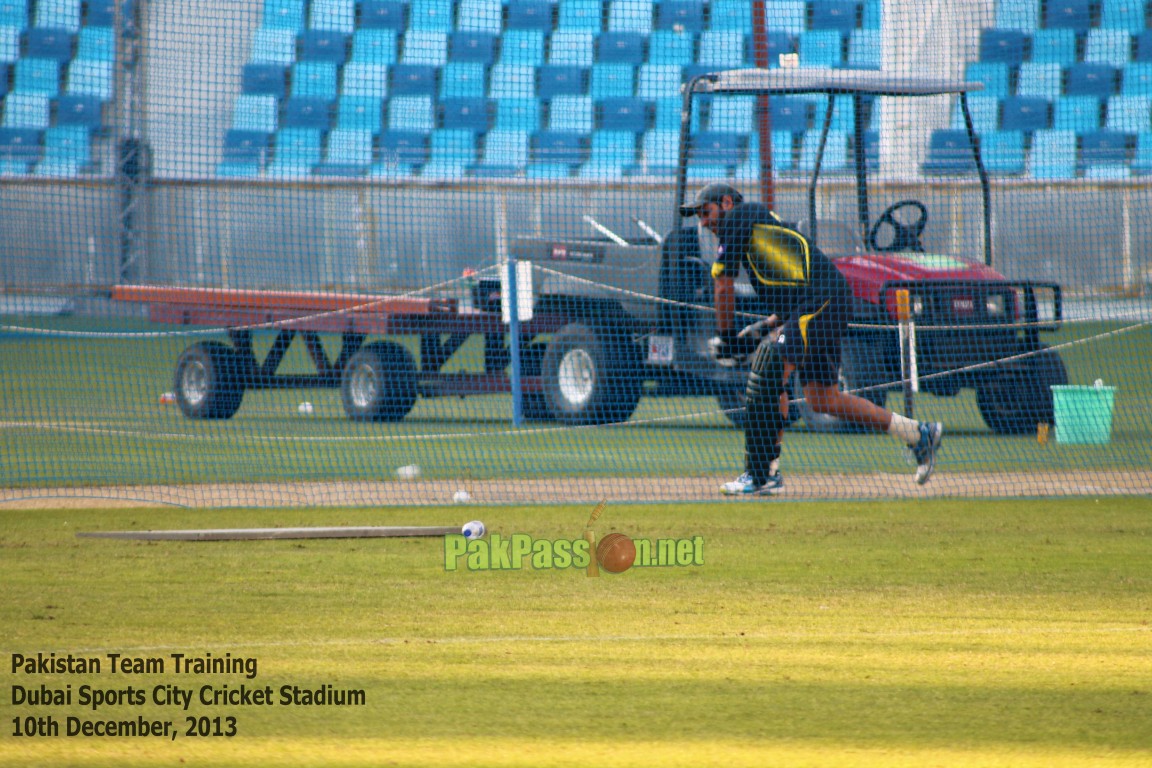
pixel 724 296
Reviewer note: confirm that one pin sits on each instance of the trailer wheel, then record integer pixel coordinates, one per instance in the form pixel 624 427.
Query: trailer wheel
pixel 209 381
pixel 1020 398
pixel 590 376
pixel 379 383
pixel 861 368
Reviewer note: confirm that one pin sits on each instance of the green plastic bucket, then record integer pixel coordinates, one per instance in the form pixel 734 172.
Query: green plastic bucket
pixel 1083 414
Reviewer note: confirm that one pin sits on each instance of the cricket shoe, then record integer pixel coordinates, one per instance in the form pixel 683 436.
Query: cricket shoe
pixel 746 486
pixel 925 450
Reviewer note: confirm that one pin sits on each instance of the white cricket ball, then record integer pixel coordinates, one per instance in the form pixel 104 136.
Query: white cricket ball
pixel 461 497
pixel 408 472
pixel 305 408
pixel 473 530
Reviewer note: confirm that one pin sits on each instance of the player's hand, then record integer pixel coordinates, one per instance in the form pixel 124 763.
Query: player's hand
pixel 730 348
pixel 756 332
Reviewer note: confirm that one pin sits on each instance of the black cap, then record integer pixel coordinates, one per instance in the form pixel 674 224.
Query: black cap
pixel 713 193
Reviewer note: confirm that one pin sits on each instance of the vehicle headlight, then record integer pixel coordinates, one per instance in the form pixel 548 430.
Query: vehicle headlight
pixel 994 304
pixel 917 305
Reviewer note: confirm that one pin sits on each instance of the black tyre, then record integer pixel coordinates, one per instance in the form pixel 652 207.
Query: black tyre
pixel 591 376
pixel 209 381
pixel 862 367
pixel 1020 398
pixel 379 383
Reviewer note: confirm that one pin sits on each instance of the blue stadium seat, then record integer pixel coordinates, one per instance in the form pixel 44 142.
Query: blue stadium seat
pixel 451 154
pixel 314 79
pixel 572 47
pixel 558 147
pixel 1024 113
pixel 657 81
pixel 425 47
pixel 360 113
pixel 1090 80
pixel 1129 114
pixel 1142 47
pixel 611 80
pixel 512 81
pixel 1136 80
pixel 579 15
pixel 336 15
pixel 666 114
pixel 517 115
pixel 864 49
pixel 789 16
pixel 462 79
pixel 253 113
pixel 405 147
pixel 1105 148
pixel 79 109
pixel 529 14
pixel 1076 113
pixel 360 79
pixel 58 14
pixel 1128 15
pixel 546 170
pixel 1010 46
pixel 715 148
pixel 1142 161
pixel 258 113
pixel 382 14
pixel 465 114
pixel 985 112
pixel 630 16
pixel 949 153
pixel 723 50
pixel 620 48
pixel 477 47
pixel 523 47
pixel 295 152
pixel 734 15
pixel 47 43
pixel 871 14
pixel 840 15
pixel 246 146
pixel 19 148
pixel 348 152
pixel 271 79
pixel 1057 46
pixel 613 148
pixel 505 153
pixel 623 115
pixel 821 48
pixel 555 80
pixel 411 113
pixel 1053 155
pixel 14 14
pixel 1040 79
pixel 1018 14
pixel 1108 46
pixel 96 43
pixel 37 77
pixel 783 156
pixel 92 77
pixel 412 80
pixel 685 16
pixel 10 44
pixel 781 43
pixel 5 73
pixel 273 45
pixel 283 14
pixel 835 158
pixel 571 114
pixel 1003 152
pixel 658 153
pixel 788 113
pixel 326 45
pixel 993 74
pixel 306 113
pixel 374 46
pixel 480 16
pixel 430 15
pixel 733 114
pixel 1068 14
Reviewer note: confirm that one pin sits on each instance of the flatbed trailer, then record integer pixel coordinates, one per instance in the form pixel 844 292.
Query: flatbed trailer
pixel 379 380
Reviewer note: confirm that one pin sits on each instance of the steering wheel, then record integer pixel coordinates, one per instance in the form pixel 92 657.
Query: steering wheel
pixel 905 237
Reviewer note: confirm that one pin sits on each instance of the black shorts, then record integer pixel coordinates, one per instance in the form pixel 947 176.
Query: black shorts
pixel 812 341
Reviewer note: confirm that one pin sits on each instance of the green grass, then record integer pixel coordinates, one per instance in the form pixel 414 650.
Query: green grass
pixel 866 634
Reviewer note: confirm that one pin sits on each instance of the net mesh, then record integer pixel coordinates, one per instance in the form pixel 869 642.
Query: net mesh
pixel 376 251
